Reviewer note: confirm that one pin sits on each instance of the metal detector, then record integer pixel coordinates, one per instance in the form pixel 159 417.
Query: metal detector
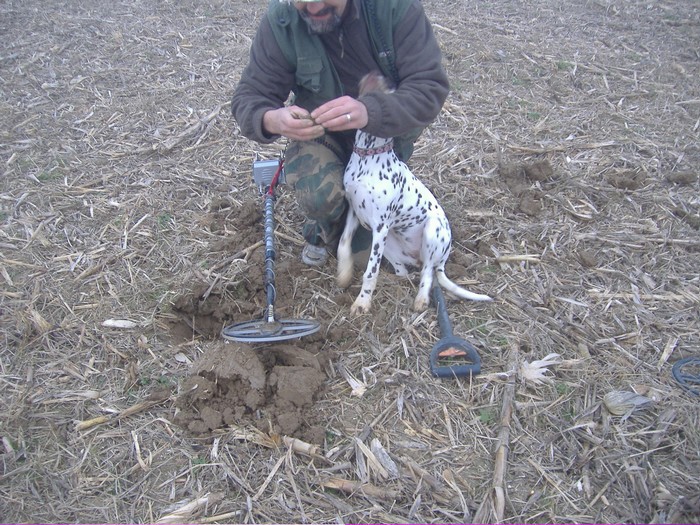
pixel 267 174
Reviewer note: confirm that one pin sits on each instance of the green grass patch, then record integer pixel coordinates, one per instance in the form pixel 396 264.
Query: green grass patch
pixel 487 415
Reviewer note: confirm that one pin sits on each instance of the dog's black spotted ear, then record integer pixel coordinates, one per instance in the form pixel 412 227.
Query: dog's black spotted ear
pixel 374 81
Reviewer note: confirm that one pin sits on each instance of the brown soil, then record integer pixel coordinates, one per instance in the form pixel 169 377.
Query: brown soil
pixel 567 160
pixel 272 387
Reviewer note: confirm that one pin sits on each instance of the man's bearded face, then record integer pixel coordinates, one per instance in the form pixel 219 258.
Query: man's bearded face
pixel 320 20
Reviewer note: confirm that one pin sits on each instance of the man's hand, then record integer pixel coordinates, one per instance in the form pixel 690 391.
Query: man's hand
pixel 340 114
pixel 292 122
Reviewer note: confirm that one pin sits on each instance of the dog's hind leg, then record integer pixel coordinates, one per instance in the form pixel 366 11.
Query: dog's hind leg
pixel 369 280
pixel 435 249
pixel 393 252
pixel 422 299
pixel 344 254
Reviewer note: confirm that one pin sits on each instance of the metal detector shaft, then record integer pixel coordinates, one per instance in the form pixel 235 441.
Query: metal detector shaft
pixel 270 256
pixel 269 328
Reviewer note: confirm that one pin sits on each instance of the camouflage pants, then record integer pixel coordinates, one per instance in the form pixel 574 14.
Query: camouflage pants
pixel 315 170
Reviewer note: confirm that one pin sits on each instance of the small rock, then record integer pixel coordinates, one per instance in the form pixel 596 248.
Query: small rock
pixel 588 258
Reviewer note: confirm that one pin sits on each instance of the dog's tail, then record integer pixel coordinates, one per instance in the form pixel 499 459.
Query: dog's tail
pixel 458 291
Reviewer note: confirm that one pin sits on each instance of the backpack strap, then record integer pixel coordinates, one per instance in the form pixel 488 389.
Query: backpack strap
pixel 381 17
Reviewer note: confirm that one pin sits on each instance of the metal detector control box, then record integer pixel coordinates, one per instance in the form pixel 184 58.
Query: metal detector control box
pixel 264 171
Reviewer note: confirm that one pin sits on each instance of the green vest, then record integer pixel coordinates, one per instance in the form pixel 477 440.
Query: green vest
pixel 317 81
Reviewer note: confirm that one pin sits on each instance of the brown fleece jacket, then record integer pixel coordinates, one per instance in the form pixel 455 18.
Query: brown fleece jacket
pixel 423 87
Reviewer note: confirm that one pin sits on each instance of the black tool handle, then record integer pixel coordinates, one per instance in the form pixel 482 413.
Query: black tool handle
pixel 450 371
pixel 442 315
pixel 449 341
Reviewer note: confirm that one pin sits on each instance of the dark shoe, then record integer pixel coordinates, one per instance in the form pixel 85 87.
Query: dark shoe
pixel 314 255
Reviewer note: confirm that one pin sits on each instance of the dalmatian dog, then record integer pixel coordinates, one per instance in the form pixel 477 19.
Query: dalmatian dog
pixel 408 225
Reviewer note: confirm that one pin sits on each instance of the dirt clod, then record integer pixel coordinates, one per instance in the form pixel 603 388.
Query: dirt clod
pixel 627 180
pixel 530 204
pixel 682 178
pixel 588 258
pixel 539 171
pixel 265 387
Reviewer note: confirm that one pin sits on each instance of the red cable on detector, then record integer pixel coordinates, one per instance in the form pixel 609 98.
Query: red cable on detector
pixel 273 183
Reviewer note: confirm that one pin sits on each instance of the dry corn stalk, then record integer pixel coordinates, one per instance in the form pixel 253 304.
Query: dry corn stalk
pixel 535 372
pixel 154 399
pixel 503 259
pixel 621 403
pixel 355 487
pixel 253 435
pixel 358 387
pixel 492 507
pixel 301 447
pixel 383 457
pixel 41 325
pixel 374 464
pixel 119 323
pixel 185 513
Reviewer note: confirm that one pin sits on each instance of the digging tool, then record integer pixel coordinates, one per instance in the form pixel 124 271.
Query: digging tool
pixel 267 174
pixel 451 356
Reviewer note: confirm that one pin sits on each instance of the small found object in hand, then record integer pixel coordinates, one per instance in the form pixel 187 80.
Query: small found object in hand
pixel 300 116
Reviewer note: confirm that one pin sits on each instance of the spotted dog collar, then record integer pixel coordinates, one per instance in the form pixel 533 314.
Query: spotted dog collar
pixel 368 152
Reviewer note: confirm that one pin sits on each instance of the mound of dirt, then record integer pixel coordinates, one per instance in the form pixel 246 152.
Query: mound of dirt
pixel 519 178
pixel 270 387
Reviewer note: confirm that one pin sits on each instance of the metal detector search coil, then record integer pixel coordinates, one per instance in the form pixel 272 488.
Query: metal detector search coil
pixel 267 174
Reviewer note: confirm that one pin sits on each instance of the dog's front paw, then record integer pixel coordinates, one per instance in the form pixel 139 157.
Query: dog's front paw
pixel 344 276
pixel 420 304
pixel 361 305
